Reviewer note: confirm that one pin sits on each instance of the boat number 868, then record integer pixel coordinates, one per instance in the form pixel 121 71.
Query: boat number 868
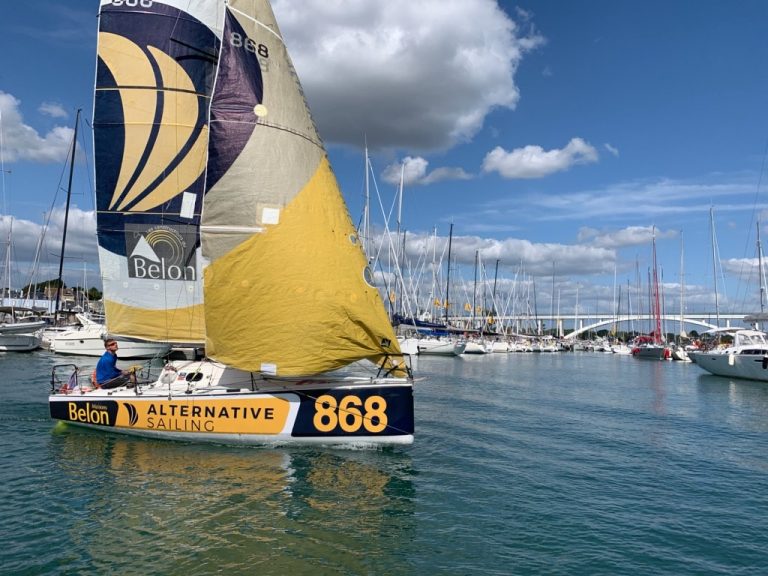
pixel 350 413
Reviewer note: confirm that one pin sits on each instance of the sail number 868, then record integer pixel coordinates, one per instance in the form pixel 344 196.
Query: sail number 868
pixel 238 41
pixel 347 414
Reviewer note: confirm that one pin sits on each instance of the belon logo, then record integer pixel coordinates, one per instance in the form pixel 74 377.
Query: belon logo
pixel 133 415
pixel 161 252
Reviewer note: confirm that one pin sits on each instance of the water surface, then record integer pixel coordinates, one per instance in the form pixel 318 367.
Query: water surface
pixel 572 463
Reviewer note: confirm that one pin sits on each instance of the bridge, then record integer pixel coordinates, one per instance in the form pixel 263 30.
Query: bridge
pixel 588 323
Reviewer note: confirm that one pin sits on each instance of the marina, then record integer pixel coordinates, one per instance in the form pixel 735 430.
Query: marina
pixel 571 463
pixel 358 289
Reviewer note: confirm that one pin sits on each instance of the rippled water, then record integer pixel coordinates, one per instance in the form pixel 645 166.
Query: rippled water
pixel 522 464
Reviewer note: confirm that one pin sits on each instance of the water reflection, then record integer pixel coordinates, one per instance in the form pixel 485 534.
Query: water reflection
pixel 201 509
pixel 747 400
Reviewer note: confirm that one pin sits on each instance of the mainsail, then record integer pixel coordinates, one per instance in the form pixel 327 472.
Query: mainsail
pixel 214 187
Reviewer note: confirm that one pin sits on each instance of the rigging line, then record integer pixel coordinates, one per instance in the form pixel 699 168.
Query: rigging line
pixel 207 55
pixel 318 143
pixel 257 22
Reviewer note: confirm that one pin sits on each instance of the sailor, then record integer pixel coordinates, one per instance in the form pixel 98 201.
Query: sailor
pixel 107 373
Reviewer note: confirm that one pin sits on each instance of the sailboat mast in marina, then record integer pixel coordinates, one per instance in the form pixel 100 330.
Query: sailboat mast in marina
pixel 653 346
pixel 60 277
pixel 220 223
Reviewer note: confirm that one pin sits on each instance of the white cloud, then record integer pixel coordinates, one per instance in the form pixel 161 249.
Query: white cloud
pixel 612 149
pixel 535 162
pixel 446 173
pixel 403 73
pixel 53 110
pixel 81 247
pixel 414 172
pixel 536 258
pixel 22 142
pixel 629 236
pixel 746 268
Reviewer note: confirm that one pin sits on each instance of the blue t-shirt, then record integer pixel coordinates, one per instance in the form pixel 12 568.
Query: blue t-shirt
pixel 106 369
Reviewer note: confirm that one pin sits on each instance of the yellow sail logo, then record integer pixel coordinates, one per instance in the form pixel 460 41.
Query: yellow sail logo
pixel 165 132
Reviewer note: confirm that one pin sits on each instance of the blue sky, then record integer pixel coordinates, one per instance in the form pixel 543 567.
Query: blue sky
pixel 553 135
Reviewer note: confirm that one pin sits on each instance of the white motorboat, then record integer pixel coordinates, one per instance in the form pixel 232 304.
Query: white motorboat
pixel 431 346
pixel 745 357
pixel 680 353
pixel 19 332
pixel 499 346
pixel 13 320
pixel 622 349
pixel 88 340
pixel 476 347
pixel 15 342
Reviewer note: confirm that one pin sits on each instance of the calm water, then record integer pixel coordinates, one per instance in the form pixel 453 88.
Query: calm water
pixel 523 464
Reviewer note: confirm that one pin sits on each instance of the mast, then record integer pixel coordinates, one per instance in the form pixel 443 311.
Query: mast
pixel 8 266
pixel 3 172
pixel 760 269
pixel 682 287
pixel 433 295
pixel 536 307
pixel 367 208
pixel 400 256
pixel 576 311
pixel 616 311
pixel 66 218
pixel 656 303
pixel 448 275
pixel 552 296
pixel 714 261
pixel 474 292
pixel 494 312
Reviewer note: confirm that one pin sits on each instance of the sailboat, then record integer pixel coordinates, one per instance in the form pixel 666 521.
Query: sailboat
pixel 87 337
pixel 220 222
pixel 739 352
pixel 19 326
pixel 652 346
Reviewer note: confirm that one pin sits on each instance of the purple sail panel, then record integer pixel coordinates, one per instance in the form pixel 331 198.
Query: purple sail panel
pixel 239 89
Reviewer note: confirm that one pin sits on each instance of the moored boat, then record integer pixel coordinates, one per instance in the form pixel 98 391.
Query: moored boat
pixel 652 346
pixel 19 329
pixel 16 342
pixel 424 346
pixel 745 356
pixel 476 346
pixel 210 197
pixel 16 320
pixel 88 340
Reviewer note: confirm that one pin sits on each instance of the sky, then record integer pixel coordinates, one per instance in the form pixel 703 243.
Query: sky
pixel 556 137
